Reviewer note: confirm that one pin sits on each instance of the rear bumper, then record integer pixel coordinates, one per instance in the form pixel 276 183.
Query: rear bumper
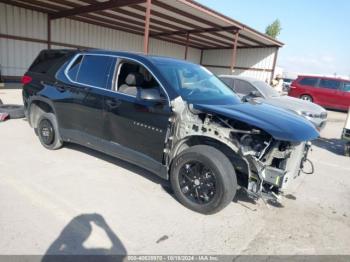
pixel 25 104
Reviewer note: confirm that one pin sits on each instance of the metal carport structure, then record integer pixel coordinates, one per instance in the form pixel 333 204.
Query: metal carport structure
pixel 206 36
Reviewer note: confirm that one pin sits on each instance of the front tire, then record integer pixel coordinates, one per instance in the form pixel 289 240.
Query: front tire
pixel 203 179
pixel 47 131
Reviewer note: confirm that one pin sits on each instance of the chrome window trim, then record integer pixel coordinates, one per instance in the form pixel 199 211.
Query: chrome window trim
pixel 110 90
pixel 116 77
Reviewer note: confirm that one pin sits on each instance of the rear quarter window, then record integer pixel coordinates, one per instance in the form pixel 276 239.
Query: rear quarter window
pixel 92 70
pixel 308 81
pixel 74 68
pixel 48 61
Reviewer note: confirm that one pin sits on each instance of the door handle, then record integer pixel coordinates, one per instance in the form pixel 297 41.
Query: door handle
pixel 61 88
pixel 112 103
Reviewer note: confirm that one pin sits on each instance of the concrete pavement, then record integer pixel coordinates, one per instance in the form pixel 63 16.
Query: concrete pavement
pixel 76 200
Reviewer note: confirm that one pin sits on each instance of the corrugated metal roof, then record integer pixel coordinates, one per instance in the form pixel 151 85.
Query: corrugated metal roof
pixel 170 20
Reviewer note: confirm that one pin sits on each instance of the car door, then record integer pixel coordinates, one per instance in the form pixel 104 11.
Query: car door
pixel 327 92
pixel 344 95
pixel 138 126
pixel 306 86
pixel 81 112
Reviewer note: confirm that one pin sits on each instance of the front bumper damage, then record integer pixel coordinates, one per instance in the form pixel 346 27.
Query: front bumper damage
pixel 275 171
pixel 268 165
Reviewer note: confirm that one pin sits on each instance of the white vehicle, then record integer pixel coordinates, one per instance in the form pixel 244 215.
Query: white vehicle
pixel 346 134
pixel 262 92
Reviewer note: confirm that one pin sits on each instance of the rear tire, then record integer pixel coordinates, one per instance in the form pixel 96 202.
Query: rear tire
pixel 203 179
pixel 47 131
pixel 306 98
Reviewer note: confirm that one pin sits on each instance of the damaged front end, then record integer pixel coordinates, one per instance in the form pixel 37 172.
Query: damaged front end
pixel 274 167
pixel 264 165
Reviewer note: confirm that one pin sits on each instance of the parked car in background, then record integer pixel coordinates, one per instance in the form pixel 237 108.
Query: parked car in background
pixel 171 117
pixel 326 91
pixel 286 83
pixel 250 87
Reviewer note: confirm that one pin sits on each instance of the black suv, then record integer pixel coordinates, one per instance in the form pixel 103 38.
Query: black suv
pixel 173 118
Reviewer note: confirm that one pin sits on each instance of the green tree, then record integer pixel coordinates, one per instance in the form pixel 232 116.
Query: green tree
pixel 274 29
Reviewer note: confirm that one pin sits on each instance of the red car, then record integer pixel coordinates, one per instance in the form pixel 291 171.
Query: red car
pixel 325 91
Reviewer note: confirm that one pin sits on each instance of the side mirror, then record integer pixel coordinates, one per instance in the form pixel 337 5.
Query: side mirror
pixel 150 95
pixel 251 95
pixel 255 93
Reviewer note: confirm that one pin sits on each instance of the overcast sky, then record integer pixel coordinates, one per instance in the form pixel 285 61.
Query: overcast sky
pixel 316 33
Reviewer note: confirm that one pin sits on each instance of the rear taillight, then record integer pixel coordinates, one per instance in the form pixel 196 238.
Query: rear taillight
pixel 295 83
pixel 26 79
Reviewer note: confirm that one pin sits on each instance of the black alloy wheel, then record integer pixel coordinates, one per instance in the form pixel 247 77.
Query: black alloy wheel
pixel 197 182
pixel 46 132
pixel 203 179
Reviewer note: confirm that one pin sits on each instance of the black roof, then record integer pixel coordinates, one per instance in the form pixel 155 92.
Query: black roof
pixel 151 61
pixel 135 55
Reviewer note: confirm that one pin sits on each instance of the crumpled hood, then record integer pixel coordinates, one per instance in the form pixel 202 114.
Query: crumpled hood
pixel 279 123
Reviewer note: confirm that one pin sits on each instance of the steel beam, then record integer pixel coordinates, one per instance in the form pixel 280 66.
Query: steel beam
pixel 194 31
pixel 234 52
pixel 48 32
pixel 186 46
pixel 274 65
pixel 147 22
pixel 95 7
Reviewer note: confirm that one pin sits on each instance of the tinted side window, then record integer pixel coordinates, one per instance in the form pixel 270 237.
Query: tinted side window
pixel 228 81
pixel 329 83
pixel 308 81
pixel 243 87
pixel 47 61
pixel 73 70
pixel 94 70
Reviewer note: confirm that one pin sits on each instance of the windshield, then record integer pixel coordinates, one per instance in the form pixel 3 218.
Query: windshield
pixel 196 84
pixel 266 89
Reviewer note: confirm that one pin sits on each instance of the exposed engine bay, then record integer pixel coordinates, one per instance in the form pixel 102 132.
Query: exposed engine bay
pixel 264 166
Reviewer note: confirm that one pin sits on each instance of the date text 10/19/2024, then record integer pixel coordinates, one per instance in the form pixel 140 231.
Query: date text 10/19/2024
pixel 173 258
